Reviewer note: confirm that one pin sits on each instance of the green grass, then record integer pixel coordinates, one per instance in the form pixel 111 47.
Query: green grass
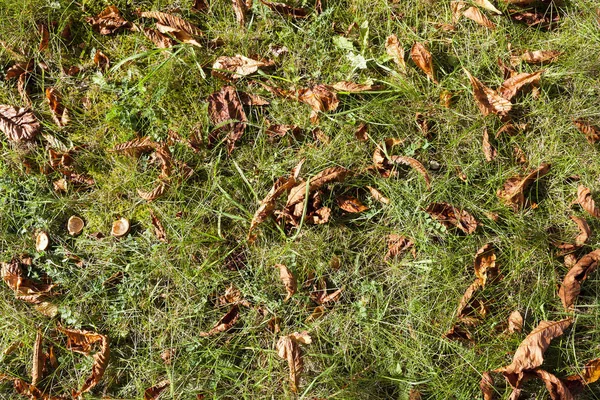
pixel 384 337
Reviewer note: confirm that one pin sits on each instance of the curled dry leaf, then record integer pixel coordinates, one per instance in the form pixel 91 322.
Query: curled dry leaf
pixel 224 106
pixel 240 9
pixel 394 50
pixel 24 288
pixel 155 193
pixel 161 41
pixel 487 386
pixel 101 60
pixel 488 6
pixel 59 112
pixel 485 264
pixel 233 68
pixel 108 21
pixel 152 393
pixel 580 239
pixel 288 279
pixel 18 124
pixel 225 323
pixel 159 230
pixel 352 87
pixel 298 192
pixel 530 353
pixel 120 227
pixel 39 360
pixel 377 195
pixel 286 10
pixel 585 200
pixel 320 98
pixel 397 246
pixel 591 132
pixel 361 132
pixel 536 19
pixel 173 21
pixel 45 37
pixel 514 85
pixel 557 388
pixel 571 285
pixel 415 164
pixel 488 100
pixel 351 204
pixel 540 56
pixel 515 322
pixel 590 374
pixel 288 348
pixel 474 14
pixel 512 192
pixel 451 217
pixel 489 151
pixel 457 8
pixel 422 57
pixel 179 34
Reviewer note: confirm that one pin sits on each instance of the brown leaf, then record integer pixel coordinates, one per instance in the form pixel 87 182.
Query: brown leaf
pixel 540 56
pixel 487 386
pixel 488 6
pixel 459 333
pixel 530 353
pixel 584 234
pixel 179 34
pixel 159 230
pixel 489 151
pixel 24 288
pixel 510 129
pixel 333 174
pixel 136 146
pixel 488 100
pixel 515 322
pixel 377 195
pixel 320 98
pixel 161 41
pixel 288 348
pixel 101 60
pixel 155 193
pixel 457 8
pixel 19 124
pixel 536 19
pixel 59 112
pixel 450 216
pixel 233 68
pixel 557 389
pixel 199 6
pixel 351 204
pixel 512 86
pixel 224 106
pixel 585 200
pixel 394 50
pixel 39 360
pixel 239 6
pixel 446 99
pixel 485 264
pixel 45 38
pixel 361 132
pixel 476 15
pixel 286 10
pixel 352 87
pixel 288 279
pixel 108 21
pixel 591 132
pixel 512 192
pixel 422 57
pixel 415 164
pixel 397 246
pixel 571 285
pixel 590 374
pixel 173 21
pixel 152 393
pixel 225 323
pixel 249 99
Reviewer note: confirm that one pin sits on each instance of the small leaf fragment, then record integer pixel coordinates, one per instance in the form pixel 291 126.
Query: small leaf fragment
pixel 225 323
pixel 489 151
pixel 474 14
pixel 515 322
pixel 59 112
pixel 152 393
pixel 286 10
pixel 288 279
pixel 397 246
pixel 540 56
pixel 351 204
pixel 224 106
pixel 512 192
pixel 108 21
pixel 591 132
pixel 233 68
pixel 453 217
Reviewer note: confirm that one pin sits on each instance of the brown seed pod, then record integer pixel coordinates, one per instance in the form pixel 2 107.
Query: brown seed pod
pixel 120 227
pixel 75 225
pixel 42 241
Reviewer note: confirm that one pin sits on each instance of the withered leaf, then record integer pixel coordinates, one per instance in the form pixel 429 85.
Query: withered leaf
pixel 488 6
pixel 557 388
pixel 199 6
pixel 457 8
pixel 159 230
pixel 320 98
pixel 317 313
pixel 585 200
pixel 224 106
pixel 179 34
pixel 487 386
pixel 474 14
pixel 136 146
pixel 571 285
pixel 288 279
pixel 225 323
pixel 590 374
pixel 45 37
pixel 288 348
pixel 536 19
pixel 353 87
pixel 512 86
pixel 39 360
pixel 422 57
pixel 155 193
pixel 377 195
pixel 488 100
pixel 512 192
pixel 24 288
pixel 161 41
pixel 394 50
pixel 580 239
pixel 232 295
pixel 489 151
pixel 351 204
pixel 397 246
pixel 540 56
pixel 485 264
pixel 59 112
pixel 450 216
pixel 101 60
pixel 361 132
pixel 152 393
pixel 530 353
pixel 232 68
pixel 284 9
pixel 108 21
pixel 459 333
pixel 239 6
pixel 333 174
pixel 591 132
pixel 173 21
pixel 415 164
pixel 249 99
pixel 18 124
pixel 515 322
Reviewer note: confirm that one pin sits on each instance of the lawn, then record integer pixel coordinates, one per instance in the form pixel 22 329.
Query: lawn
pixel 192 296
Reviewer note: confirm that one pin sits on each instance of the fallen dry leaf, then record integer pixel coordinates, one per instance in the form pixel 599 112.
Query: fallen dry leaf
pixel 474 14
pixel 557 388
pixel 288 279
pixel 488 100
pixel 397 246
pixel 155 193
pixel 159 230
pixel 233 68
pixel 590 374
pixel 353 87
pixel 200 6
pixel 225 323
pixel 512 86
pixel 286 10
pixel 485 264
pixel 361 132
pixel 422 57
pixel 224 106
pixel 320 98
pixel 152 393
pixel 394 50
pixel 108 21
pixel 585 200
pixel 173 21
pixel 515 322
pixel 571 285
pixel 488 6
pixel 591 132
pixel 288 348
pixel 24 288
pixel 333 174
pixel 45 37
pixel 59 112
pixel 415 164
pixel 530 353
pixel 536 19
pixel 101 60
pixel 161 41
pixel 18 124
pixel 39 360
pixel 457 8
pixel 351 204
pixel 179 34
pixel 540 56
pixel 512 192
pixel 240 9
pixel 377 195
pixel 489 151
pixel 580 239
pixel 451 217
pixel 487 386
